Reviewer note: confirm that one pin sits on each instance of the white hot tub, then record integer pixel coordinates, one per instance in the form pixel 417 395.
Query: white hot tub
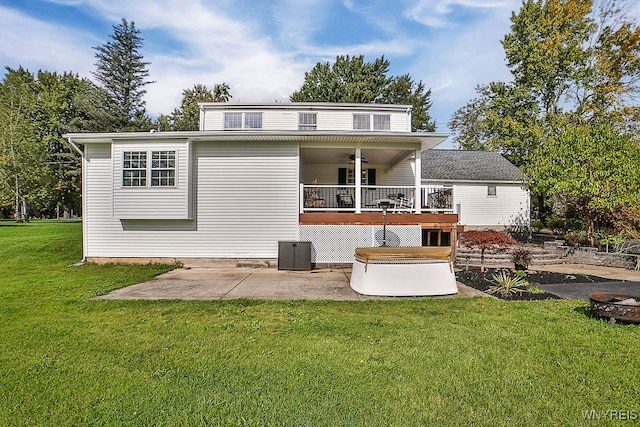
pixel 403 271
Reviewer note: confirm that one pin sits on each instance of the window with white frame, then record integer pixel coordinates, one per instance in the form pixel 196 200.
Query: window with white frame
pixel 371 122
pixel 134 169
pixel 253 120
pixel 492 191
pixel 307 121
pixel 233 120
pixel 381 122
pixel 161 169
pixel 361 121
pixel 243 120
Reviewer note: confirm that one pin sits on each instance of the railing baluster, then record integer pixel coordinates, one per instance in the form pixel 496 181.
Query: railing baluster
pixel 319 198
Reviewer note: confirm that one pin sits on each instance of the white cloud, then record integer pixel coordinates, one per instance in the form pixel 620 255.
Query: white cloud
pixel 262 50
pixel 35 45
pixel 438 13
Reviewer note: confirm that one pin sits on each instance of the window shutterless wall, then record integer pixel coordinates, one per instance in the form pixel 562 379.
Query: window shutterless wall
pixel 151 181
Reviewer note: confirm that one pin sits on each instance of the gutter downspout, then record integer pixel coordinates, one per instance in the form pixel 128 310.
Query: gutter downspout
pixel 75 147
pixel 84 207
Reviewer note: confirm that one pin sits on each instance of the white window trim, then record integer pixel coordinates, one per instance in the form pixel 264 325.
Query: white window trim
pixel 371 121
pixel 308 126
pixel 149 169
pixel 495 189
pixel 243 122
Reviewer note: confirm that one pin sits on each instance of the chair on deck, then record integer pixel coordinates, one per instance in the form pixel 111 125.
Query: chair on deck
pixel 345 200
pixel 403 204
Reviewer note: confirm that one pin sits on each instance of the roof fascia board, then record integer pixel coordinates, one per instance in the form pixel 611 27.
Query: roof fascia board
pixel 425 140
pixel 303 106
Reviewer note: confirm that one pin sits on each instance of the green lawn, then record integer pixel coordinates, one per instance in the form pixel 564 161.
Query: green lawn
pixel 66 359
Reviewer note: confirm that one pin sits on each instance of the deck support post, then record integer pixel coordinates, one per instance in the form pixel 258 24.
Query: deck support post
pixel 417 199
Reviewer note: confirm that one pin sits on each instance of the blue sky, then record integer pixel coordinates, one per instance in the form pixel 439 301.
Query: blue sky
pixel 262 48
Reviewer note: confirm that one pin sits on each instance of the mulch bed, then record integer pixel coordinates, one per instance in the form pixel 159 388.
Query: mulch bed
pixel 475 278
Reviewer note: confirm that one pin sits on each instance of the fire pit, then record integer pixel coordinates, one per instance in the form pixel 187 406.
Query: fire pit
pixel 615 306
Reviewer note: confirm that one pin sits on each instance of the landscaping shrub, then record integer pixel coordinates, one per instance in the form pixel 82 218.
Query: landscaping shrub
pixel 556 224
pixel 505 284
pixel 537 225
pixel 486 239
pixel 576 238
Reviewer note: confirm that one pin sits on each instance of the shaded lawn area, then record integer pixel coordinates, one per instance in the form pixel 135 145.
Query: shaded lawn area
pixel 66 359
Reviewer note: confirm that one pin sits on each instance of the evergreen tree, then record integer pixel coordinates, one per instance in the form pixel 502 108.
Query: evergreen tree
pixel 121 70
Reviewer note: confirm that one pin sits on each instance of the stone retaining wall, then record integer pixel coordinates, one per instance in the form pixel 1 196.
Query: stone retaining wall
pixel 591 256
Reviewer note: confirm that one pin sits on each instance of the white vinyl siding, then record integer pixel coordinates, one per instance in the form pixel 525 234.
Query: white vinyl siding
pixel 247 198
pixel 287 119
pixel 510 206
pixel 247 201
pixel 165 194
pixel 97 221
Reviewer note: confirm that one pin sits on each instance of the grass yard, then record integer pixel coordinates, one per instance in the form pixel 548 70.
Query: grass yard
pixel 66 359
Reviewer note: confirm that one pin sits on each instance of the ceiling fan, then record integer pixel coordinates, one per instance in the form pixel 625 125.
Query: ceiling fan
pixel 352 157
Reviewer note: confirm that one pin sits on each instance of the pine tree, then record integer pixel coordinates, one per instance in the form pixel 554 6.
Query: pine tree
pixel 121 70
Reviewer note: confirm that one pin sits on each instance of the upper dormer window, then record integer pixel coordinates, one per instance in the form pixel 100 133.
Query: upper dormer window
pixel 307 121
pixel 371 122
pixel 243 120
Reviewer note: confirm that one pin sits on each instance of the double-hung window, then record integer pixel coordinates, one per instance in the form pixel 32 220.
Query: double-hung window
pixel 243 120
pixel 233 120
pixel 371 122
pixel 163 168
pixel 361 122
pixel 307 121
pixel 381 122
pixel 136 168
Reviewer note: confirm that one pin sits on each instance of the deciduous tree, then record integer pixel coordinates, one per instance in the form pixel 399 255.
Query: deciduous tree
pixel 187 116
pixel 593 167
pixel 572 63
pixel 352 79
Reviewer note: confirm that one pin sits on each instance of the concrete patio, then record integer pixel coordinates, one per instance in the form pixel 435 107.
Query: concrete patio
pixel 211 283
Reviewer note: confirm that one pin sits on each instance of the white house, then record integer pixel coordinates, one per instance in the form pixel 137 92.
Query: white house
pixel 486 190
pixel 255 175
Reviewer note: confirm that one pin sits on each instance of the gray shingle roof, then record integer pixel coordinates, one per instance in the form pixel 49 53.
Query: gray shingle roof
pixel 467 165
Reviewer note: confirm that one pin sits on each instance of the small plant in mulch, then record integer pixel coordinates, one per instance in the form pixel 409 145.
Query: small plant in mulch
pixel 521 258
pixel 505 284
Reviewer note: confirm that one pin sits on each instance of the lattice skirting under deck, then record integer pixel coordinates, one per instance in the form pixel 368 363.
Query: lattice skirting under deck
pixel 338 243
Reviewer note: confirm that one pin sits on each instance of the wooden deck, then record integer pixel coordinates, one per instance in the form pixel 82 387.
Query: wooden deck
pixel 445 222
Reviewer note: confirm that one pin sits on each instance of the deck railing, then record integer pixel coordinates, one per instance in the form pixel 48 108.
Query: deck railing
pixel 341 198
